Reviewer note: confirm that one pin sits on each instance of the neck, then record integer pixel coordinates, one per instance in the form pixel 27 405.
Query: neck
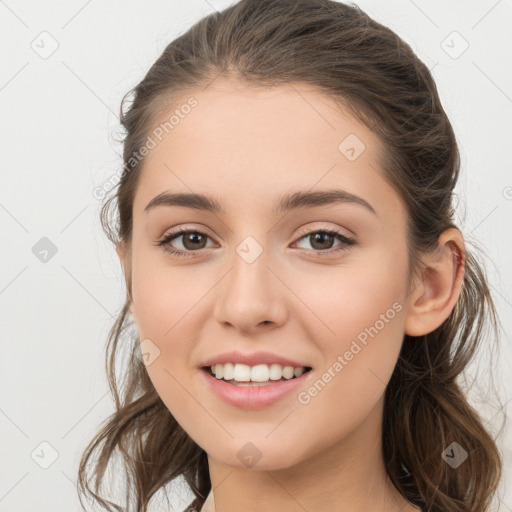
pixel 349 475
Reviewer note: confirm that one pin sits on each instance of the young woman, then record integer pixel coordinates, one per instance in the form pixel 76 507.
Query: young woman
pixel 304 300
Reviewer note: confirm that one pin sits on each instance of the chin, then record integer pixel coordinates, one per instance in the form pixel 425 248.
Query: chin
pixel 256 456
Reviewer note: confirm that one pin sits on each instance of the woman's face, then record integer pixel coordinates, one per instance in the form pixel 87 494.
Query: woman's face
pixel 259 278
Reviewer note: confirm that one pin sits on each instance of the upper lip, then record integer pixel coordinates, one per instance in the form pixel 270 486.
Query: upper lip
pixel 252 359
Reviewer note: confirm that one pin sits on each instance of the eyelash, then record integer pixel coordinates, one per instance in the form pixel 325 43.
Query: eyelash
pixel 346 242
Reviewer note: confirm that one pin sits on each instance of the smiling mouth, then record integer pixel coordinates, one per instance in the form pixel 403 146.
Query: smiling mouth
pixel 234 382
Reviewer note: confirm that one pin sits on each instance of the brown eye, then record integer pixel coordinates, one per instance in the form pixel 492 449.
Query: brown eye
pixel 322 241
pixel 193 240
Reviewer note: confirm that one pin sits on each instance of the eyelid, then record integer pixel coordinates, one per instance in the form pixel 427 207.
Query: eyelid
pixel 322 227
pixel 176 230
pixel 301 232
pixel 346 242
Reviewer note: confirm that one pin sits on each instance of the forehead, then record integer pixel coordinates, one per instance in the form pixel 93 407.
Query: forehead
pixel 250 142
pixel 229 113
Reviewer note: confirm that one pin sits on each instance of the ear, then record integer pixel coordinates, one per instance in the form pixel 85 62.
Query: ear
pixel 121 253
pixel 437 290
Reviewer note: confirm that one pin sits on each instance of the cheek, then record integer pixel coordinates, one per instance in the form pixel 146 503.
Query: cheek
pixel 359 352
pixel 361 300
pixel 163 295
pixel 356 319
pixel 165 303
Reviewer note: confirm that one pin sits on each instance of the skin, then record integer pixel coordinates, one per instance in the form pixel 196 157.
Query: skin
pixel 248 146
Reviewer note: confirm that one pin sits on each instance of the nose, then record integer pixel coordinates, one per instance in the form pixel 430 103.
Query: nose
pixel 251 297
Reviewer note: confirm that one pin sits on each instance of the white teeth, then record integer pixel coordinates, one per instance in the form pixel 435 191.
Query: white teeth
pixel 298 372
pixel 242 372
pixel 229 371
pixel 288 372
pixel 219 371
pixel 258 373
pixel 276 371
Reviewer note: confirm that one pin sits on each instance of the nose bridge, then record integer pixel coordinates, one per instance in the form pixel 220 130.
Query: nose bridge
pixel 250 294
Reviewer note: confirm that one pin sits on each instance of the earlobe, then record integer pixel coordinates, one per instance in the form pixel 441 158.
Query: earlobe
pixel 435 296
pixel 120 252
pixel 120 249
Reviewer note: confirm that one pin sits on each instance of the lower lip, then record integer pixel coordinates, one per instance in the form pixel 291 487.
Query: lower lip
pixel 253 397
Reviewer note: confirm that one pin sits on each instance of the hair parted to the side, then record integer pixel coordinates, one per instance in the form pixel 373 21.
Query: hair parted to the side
pixel 365 66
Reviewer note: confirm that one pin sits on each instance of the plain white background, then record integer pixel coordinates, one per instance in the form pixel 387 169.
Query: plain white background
pixel 58 119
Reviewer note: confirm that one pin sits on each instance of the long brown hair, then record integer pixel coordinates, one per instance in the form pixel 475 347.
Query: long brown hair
pixel 365 66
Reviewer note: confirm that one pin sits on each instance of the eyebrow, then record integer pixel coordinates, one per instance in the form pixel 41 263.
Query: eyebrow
pixel 292 201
